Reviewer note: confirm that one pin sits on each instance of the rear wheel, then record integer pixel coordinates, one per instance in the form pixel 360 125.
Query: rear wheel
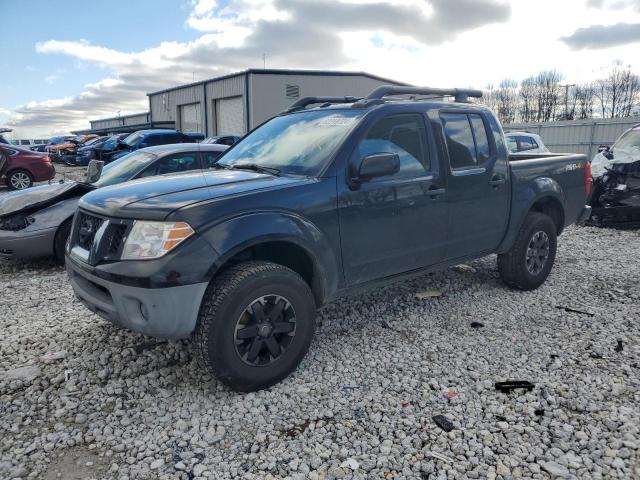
pixel 19 179
pixel 255 325
pixel 60 240
pixel 527 265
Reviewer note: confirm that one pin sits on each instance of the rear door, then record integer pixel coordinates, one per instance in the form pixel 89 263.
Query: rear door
pixel 397 223
pixel 478 184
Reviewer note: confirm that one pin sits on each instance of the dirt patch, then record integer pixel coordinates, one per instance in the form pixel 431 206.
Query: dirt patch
pixel 77 464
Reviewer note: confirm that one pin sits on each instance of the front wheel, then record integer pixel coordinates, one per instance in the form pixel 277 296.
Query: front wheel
pixel 527 265
pixel 255 325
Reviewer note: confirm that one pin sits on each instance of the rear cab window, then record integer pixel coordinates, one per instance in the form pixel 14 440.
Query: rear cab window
pixel 467 140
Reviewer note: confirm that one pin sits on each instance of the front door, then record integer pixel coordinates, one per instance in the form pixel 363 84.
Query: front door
pixel 396 223
pixel 478 186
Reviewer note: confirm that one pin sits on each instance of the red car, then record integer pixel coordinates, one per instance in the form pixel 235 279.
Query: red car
pixel 20 167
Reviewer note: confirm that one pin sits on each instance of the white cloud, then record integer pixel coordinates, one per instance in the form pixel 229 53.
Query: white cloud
pixel 432 42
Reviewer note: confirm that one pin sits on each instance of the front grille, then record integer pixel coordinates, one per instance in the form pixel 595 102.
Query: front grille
pixel 87 226
pixel 115 238
pixel 97 239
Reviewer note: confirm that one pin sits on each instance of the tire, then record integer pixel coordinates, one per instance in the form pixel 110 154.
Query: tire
pixel 228 326
pixel 60 240
pixel 526 269
pixel 19 179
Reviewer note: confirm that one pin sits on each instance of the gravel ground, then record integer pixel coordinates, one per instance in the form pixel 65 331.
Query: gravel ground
pixel 81 399
pixel 63 172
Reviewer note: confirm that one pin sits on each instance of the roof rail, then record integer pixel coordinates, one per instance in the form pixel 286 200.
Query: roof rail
pixel 305 101
pixel 460 94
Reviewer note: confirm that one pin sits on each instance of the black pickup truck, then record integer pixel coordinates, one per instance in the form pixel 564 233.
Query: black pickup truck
pixel 318 202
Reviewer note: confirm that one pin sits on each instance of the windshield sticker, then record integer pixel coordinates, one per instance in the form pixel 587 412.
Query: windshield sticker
pixel 335 121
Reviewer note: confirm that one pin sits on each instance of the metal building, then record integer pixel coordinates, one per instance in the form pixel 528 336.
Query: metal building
pixel 236 103
pixel 124 124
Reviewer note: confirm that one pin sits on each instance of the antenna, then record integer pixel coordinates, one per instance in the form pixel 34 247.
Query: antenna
pixel 264 60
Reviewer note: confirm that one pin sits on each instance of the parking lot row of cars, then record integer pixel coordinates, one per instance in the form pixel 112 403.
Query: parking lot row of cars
pixel 21 167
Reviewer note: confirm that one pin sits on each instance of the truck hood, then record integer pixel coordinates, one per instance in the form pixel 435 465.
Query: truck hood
pixel 156 197
pixel 37 198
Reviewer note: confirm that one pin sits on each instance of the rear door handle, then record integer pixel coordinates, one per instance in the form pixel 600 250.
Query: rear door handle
pixel 497 180
pixel 435 192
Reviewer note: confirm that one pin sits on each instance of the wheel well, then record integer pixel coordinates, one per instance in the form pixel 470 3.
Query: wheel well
pixel 553 208
pixel 283 253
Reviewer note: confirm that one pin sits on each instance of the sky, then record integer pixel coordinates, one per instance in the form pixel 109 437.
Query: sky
pixel 70 61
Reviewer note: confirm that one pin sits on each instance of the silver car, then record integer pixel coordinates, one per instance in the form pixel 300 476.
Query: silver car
pixel 524 142
pixel 36 222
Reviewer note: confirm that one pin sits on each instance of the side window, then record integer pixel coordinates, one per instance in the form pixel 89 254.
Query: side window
pixel 150 140
pixel 526 143
pixel 462 149
pixel 404 135
pixel 512 145
pixel 181 162
pixel 210 158
pixel 482 140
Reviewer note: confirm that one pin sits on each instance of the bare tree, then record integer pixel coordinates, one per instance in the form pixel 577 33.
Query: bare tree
pixel 547 94
pixel 528 110
pixel 619 92
pixel 507 101
pixel 585 97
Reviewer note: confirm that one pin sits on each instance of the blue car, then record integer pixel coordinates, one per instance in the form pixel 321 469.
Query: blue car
pixel 95 151
pixel 147 138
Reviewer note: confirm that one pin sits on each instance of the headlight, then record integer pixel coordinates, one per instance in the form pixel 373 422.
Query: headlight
pixel 16 223
pixel 154 239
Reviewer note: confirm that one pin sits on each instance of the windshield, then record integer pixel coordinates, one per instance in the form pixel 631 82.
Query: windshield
pixel 631 139
pixel 300 143
pixel 124 168
pixel 132 139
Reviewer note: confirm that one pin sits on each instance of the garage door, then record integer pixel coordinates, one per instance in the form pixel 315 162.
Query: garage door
pixel 230 116
pixel 190 118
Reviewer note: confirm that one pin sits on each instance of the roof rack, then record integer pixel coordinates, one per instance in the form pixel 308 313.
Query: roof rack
pixel 305 101
pixel 459 94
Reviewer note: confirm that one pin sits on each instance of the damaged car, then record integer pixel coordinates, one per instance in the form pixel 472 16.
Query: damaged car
pixel 70 147
pixel 615 170
pixel 36 223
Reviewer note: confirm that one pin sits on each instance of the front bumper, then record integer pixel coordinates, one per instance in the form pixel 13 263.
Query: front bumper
pixel 585 214
pixel 27 245
pixel 169 312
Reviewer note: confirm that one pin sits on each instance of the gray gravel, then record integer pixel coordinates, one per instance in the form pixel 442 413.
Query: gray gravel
pixel 82 399
pixel 63 173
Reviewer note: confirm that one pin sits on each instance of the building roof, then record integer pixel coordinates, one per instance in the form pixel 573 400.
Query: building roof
pixel 268 71
pixel 120 117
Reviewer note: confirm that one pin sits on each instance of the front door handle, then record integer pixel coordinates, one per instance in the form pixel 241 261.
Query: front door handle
pixel 497 180
pixel 434 192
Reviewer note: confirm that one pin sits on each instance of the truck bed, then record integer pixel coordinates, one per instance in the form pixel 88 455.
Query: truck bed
pixel 563 172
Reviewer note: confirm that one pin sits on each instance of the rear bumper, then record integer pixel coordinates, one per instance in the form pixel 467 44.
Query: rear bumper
pixel 44 172
pixel 27 245
pixel 169 312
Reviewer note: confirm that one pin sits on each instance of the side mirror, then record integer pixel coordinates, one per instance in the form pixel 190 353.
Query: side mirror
pixel 94 170
pixel 378 165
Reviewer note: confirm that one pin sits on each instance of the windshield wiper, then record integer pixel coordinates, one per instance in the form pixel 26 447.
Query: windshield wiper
pixel 255 168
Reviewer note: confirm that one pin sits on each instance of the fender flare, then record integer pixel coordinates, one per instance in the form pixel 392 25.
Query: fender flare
pixel 539 189
pixel 236 234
